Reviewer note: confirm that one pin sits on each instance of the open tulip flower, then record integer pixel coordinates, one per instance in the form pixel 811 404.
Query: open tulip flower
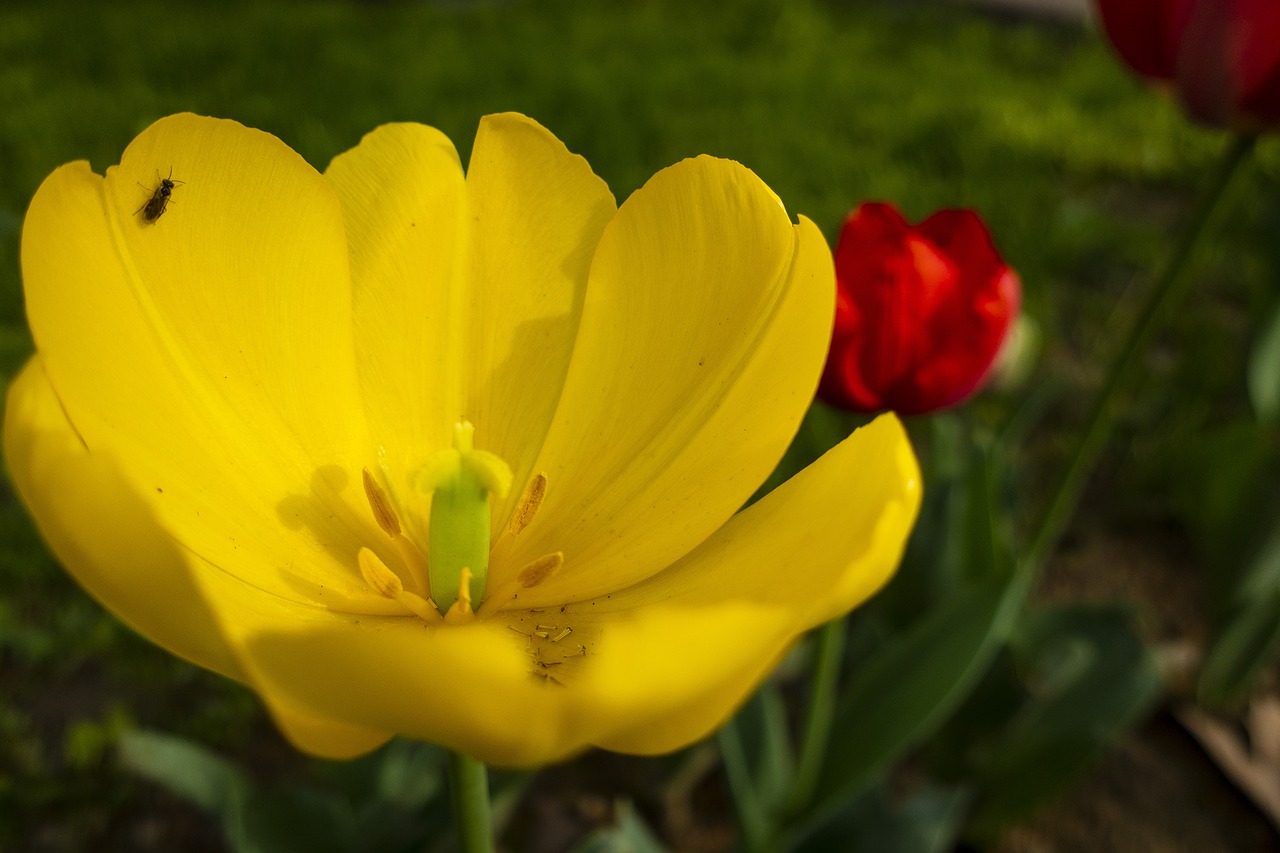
pixel 459 457
pixel 1222 56
pixel 922 313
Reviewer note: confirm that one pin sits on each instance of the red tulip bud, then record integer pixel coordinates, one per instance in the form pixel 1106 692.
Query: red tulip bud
pixel 1221 56
pixel 921 311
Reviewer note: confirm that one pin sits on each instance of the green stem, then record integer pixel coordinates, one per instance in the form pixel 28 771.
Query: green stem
pixel 751 816
pixel 1168 290
pixel 822 710
pixel 469 787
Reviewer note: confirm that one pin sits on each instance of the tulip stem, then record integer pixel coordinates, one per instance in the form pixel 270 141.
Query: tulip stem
pixel 469 787
pixel 822 708
pixel 752 820
pixel 1168 290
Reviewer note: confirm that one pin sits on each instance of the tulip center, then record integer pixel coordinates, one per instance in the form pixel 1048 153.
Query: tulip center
pixel 460 481
pixel 452 577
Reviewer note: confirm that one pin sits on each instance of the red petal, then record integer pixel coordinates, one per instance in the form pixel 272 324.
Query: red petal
pixel 1255 41
pixel 1146 33
pixel 921 311
pixel 963 237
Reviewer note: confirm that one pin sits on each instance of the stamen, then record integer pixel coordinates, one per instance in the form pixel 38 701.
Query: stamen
pixel 558 637
pixel 382 511
pixel 387 584
pixel 540 569
pixel 385 515
pixel 530 503
pixel 416 561
pixel 527 578
pixel 376 574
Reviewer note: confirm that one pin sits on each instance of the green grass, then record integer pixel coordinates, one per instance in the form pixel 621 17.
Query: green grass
pixel 1081 171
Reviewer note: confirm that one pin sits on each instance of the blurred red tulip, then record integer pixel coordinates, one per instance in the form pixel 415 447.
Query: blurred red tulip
pixel 921 311
pixel 1222 56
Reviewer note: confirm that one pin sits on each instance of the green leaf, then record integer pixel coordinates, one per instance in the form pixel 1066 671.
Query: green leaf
pixel 1090 678
pixel 755 822
pixel 982 534
pixel 289 821
pixel 959 539
pixel 1264 371
pixel 767 747
pixel 1246 644
pixel 1226 490
pixel 211 782
pixel 1231 501
pixel 910 686
pixel 409 774
pixel 926 822
pixel 299 820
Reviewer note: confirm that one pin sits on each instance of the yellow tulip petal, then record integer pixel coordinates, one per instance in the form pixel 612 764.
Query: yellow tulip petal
pixel 702 338
pixel 468 292
pixel 680 651
pixel 467 687
pixel 325 738
pixel 539 212
pixel 210 352
pixel 403 198
pixel 102 531
pixel 818 545
pixel 671 676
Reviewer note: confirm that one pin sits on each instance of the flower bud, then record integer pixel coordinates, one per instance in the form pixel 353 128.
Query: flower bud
pixel 921 311
pixel 1222 57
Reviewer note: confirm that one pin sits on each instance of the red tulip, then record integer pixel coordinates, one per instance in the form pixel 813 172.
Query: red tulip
pixel 1222 56
pixel 921 311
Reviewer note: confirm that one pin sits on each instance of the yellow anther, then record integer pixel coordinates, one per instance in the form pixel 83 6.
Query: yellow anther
pixel 530 503
pixel 381 506
pixel 564 633
pixel 387 584
pixel 527 578
pixel 385 515
pixel 540 569
pixel 376 574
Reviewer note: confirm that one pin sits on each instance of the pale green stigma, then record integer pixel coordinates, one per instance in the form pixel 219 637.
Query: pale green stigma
pixel 460 481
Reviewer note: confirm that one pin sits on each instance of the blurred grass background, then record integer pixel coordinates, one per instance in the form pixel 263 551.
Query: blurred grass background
pixel 1081 171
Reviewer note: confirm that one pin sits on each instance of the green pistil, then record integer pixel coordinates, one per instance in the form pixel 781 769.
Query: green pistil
pixel 460 481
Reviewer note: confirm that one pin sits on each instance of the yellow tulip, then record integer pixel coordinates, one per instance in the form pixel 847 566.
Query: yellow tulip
pixel 276 427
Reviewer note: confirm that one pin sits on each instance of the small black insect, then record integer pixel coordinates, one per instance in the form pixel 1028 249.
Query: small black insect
pixel 159 201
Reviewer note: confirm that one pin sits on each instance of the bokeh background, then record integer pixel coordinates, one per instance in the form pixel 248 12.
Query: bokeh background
pixel 1082 173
